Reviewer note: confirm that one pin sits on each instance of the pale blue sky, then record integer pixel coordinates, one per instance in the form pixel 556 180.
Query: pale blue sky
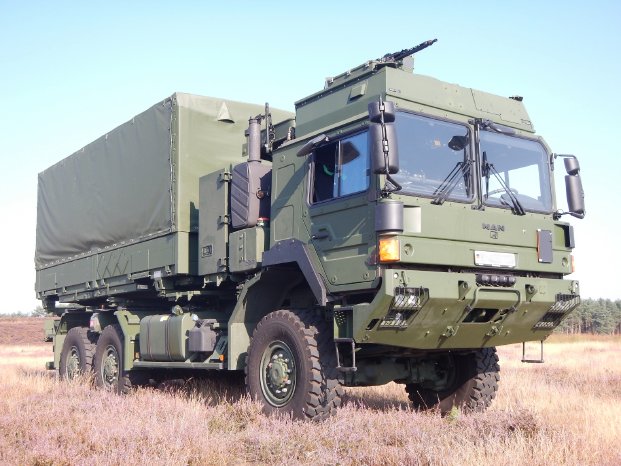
pixel 71 71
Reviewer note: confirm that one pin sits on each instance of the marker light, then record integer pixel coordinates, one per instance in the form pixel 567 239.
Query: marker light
pixel 573 263
pixel 389 249
pixel 94 325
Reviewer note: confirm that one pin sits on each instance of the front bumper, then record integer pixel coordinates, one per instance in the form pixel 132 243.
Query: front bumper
pixel 442 310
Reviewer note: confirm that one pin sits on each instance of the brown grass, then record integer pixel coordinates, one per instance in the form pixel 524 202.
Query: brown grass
pixel 565 411
pixel 21 330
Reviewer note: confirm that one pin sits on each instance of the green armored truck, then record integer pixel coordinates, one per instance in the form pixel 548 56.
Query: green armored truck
pixel 395 228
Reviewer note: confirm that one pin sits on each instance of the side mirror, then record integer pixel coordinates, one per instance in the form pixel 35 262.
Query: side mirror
pixel 573 188
pixel 572 166
pixel 383 138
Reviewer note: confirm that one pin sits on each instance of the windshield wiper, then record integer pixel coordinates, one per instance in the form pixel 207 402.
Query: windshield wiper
pixel 516 206
pixel 462 169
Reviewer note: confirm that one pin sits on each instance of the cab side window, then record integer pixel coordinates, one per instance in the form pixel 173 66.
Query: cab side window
pixel 341 168
pixel 325 182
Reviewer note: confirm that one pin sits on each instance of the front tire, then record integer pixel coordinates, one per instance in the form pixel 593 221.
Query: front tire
pixel 291 366
pixel 76 356
pixel 473 382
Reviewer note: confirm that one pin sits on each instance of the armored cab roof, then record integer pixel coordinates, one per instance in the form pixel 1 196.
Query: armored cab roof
pixel 346 96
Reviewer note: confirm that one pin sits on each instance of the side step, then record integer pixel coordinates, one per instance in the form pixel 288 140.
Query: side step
pixel 350 345
pixel 532 361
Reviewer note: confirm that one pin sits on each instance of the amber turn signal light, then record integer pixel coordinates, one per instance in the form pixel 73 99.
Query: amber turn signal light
pixel 389 249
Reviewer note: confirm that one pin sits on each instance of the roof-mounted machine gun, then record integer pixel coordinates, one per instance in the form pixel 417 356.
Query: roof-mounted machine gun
pixel 404 58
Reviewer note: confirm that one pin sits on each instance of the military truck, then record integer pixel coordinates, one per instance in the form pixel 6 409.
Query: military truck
pixel 395 228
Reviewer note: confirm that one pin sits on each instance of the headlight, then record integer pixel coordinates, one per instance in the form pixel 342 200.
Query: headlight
pixel 564 304
pixel 406 303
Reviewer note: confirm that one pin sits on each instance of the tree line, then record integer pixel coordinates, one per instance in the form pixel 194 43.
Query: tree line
pixel 595 316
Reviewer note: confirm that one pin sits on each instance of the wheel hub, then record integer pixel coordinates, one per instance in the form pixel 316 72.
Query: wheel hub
pixel 278 376
pixel 73 363
pixel 110 366
pixel 278 371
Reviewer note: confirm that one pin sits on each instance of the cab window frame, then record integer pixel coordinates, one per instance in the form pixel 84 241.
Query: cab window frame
pixel 544 170
pixel 471 152
pixel 338 171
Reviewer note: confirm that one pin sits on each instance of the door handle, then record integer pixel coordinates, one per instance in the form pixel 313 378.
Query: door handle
pixel 324 235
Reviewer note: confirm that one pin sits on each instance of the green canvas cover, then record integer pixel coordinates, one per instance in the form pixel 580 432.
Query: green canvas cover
pixel 139 181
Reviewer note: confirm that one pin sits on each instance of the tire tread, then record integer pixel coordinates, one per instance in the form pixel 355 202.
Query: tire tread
pixel 88 340
pixel 482 385
pixel 324 391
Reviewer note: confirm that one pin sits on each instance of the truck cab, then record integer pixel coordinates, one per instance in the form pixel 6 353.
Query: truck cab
pixel 467 228
pixel 433 225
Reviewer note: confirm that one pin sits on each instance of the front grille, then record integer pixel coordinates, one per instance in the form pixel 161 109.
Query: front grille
pixel 564 304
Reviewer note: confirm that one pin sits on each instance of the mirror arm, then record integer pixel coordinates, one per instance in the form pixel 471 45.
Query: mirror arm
pixel 312 144
pixel 391 180
pixel 559 213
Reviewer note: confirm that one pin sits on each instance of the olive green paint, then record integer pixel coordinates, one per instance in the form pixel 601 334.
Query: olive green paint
pixel 200 262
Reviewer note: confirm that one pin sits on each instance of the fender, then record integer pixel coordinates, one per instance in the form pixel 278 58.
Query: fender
pixel 285 267
pixel 295 251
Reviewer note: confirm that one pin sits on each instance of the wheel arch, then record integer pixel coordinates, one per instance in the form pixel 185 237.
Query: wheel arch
pixel 130 329
pixel 295 253
pixel 271 289
pixel 73 318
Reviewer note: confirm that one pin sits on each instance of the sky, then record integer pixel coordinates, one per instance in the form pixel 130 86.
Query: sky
pixel 72 71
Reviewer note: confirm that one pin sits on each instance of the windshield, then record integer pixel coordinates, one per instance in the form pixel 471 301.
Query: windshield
pixel 521 165
pixel 434 158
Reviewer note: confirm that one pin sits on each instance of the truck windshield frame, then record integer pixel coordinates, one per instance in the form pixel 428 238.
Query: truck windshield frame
pixel 435 158
pixel 523 165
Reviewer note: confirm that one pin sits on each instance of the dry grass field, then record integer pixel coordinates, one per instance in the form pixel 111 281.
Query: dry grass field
pixel 566 411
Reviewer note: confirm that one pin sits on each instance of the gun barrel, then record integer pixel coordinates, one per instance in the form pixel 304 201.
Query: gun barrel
pixel 407 52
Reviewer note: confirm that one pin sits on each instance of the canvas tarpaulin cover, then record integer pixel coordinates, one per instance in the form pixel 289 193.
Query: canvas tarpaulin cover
pixel 140 180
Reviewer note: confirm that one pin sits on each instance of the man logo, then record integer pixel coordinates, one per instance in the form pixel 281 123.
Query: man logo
pixel 493 229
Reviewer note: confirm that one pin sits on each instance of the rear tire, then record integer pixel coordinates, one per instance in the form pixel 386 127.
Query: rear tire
pixel 473 384
pixel 291 366
pixel 110 373
pixel 76 356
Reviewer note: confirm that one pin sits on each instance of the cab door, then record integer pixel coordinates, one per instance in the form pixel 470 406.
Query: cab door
pixel 340 219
